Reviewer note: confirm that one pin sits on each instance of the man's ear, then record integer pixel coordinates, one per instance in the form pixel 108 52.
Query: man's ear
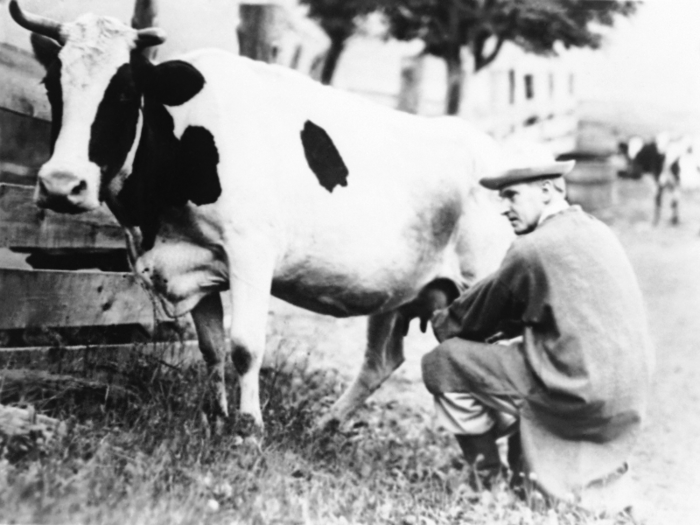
pixel 547 188
pixel 45 49
pixel 171 83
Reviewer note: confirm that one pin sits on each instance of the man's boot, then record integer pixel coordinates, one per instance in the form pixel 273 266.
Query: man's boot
pixel 516 465
pixel 481 454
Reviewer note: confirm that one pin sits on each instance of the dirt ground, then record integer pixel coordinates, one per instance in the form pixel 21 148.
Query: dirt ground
pixel 665 258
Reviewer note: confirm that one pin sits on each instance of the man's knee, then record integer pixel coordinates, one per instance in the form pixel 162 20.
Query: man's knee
pixel 437 368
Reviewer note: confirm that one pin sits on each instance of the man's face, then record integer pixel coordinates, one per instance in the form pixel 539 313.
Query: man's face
pixel 523 205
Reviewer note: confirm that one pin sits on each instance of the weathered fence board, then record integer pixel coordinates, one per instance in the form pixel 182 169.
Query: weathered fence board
pixel 53 298
pixel 24 146
pixel 75 358
pixel 24 116
pixel 23 225
pixel 64 298
pixel 22 90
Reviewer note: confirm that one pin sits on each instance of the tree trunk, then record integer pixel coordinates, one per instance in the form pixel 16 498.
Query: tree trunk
pixel 259 31
pixel 455 80
pixel 332 57
pixel 411 83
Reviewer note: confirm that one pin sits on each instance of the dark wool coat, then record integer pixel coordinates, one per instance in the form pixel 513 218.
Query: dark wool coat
pixel 570 290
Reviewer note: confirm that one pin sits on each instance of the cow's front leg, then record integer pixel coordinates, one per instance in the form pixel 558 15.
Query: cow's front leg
pixel 250 300
pixel 675 200
pixel 658 202
pixel 383 355
pixel 208 318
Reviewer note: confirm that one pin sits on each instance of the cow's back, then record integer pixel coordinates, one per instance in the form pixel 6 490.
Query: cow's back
pixel 400 218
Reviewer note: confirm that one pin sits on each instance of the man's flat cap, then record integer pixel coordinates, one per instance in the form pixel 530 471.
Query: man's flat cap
pixel 525 174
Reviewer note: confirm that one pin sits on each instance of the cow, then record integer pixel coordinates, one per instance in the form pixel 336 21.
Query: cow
pixel 662 158
pixel 230 175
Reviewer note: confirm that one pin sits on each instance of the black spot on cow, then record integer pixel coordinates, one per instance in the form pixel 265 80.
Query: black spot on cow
pixel 650 159
pixel 46 52
pixel 241 359
pixel 54 92
pixel 171 83
pixel 323 157
pixel 113 131
pixel 169 172
pixel 200 157
pixel 647 160
pixel 676 170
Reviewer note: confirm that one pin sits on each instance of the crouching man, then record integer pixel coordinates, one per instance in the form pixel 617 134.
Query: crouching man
pixel 571 369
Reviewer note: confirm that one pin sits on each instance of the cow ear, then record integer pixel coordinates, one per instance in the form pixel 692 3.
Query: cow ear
pixel 173 82
pixel 45 49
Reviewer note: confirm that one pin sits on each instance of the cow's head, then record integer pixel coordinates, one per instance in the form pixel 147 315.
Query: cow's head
pixel 629 164
pixel 94 81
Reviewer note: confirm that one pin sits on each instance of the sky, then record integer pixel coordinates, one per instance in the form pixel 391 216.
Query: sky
pixel 654 57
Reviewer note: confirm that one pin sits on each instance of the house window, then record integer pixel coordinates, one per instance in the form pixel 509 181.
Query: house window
pixel 551 85
pixel 529 87
pixel 511 87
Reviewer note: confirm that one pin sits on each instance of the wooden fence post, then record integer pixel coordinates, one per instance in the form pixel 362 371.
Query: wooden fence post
pixel 260 30
pixel 411 84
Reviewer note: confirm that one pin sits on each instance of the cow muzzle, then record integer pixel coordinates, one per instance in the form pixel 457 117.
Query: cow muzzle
pixel 64 192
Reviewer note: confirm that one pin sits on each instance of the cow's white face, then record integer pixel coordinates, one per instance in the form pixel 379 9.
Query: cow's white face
pixel 95 111
pixel 94 103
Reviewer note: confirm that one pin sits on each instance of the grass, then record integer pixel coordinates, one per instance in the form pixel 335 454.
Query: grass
pixel 150 459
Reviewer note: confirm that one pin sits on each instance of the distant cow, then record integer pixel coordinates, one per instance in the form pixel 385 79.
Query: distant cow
pixel 230 174
pixel 660 157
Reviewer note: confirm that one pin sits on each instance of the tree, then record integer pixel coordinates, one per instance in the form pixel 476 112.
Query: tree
pixel 339 19
pixel 446 26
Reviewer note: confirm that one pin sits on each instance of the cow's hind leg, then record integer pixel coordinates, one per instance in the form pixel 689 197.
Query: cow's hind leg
pixel 383 355
pixel 658 201
pixel 675 201
pixel 208 318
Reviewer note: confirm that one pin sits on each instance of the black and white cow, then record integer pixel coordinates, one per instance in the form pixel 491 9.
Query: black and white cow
pixel 230 174
pixel 662 158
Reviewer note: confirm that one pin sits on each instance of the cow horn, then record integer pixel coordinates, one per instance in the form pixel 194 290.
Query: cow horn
pixel 152 36
pixel 37 24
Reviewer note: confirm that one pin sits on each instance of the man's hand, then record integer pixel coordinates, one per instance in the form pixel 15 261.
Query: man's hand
pixel 440 325
pixel 435 296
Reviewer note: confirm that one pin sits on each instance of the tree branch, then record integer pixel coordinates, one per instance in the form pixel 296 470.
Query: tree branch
pixel 481 61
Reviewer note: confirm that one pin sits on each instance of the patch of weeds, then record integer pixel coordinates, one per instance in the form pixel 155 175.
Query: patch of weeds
pixel 152 459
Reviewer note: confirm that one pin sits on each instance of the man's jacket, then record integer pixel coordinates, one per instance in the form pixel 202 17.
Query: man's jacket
pixel 570 290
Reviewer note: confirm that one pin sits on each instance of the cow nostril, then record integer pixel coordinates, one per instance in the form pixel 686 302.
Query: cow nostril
pixel 79 188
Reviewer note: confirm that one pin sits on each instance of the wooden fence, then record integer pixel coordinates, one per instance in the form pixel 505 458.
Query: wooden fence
pixel 72 284
pixel 60 285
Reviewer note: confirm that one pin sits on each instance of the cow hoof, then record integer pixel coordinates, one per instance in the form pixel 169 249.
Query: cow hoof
pixel 248 445
pixel 213 424
pixel 327 425
pixel 247 426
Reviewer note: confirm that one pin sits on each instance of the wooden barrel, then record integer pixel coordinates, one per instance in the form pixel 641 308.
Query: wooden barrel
pixel 592 182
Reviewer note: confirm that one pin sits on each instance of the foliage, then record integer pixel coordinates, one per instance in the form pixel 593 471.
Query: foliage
pixel 155 462
pixel 534 25
pixel 483 26
pixel 339 19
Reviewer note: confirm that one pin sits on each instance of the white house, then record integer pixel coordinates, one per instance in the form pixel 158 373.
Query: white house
pixel 518 95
